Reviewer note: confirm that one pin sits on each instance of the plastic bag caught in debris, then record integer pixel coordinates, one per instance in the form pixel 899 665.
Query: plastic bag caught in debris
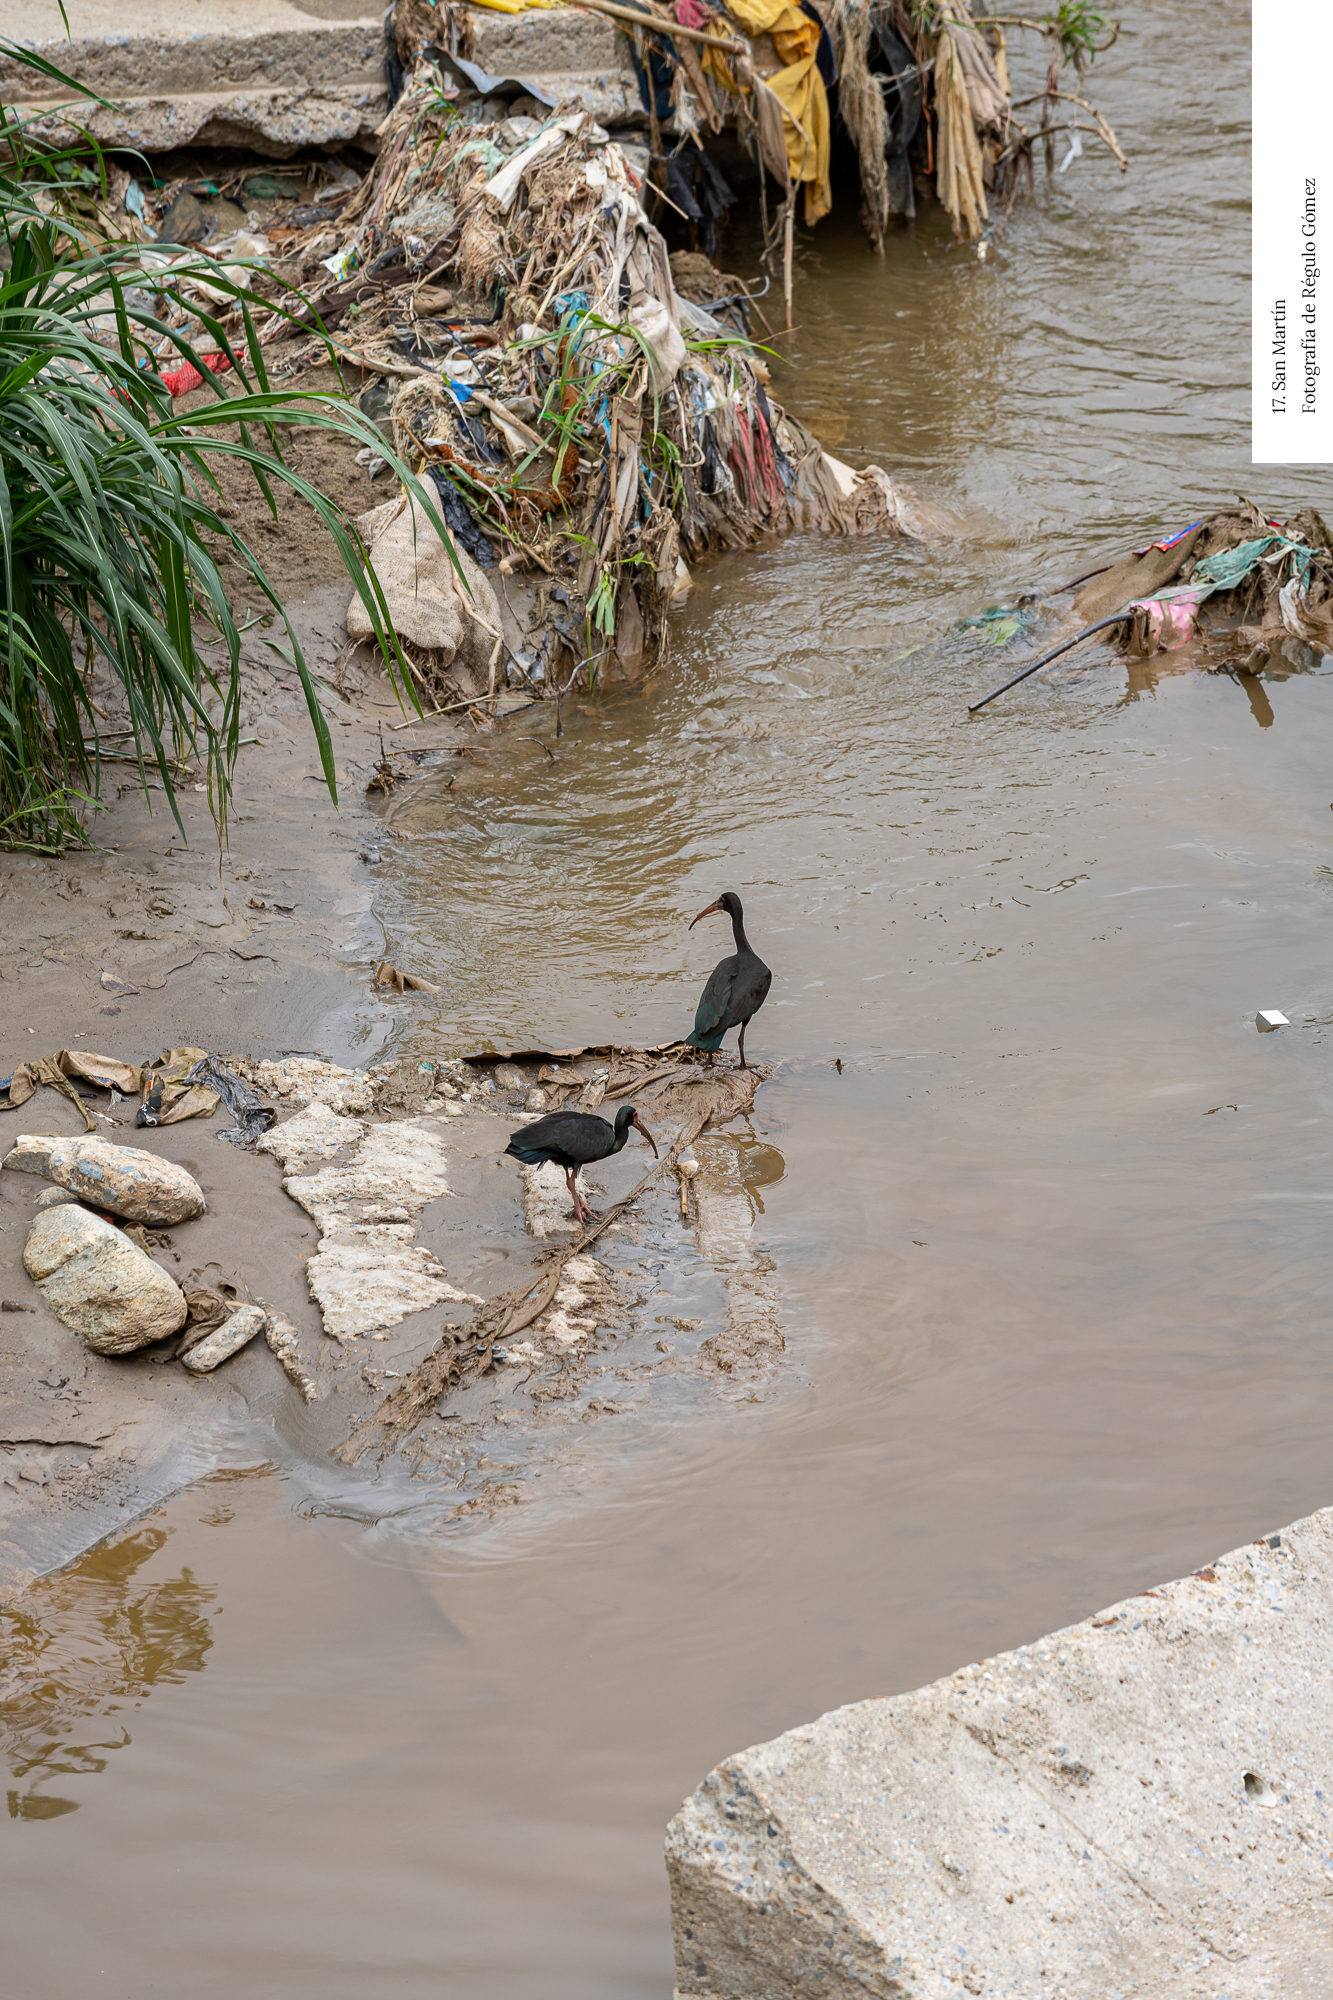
pixel 253 1117
pixel 460 523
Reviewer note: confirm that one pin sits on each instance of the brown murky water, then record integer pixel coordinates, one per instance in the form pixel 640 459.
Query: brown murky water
pixel 1049 1251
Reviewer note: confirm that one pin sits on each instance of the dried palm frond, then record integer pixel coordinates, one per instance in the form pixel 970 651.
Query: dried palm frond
pixel 862 106
pixel 959 179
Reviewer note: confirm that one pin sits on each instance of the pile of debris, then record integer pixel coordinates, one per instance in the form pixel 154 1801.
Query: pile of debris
pixel 584 427
pixel 1240 586
pixel 367 1154
pixel 679 1092
pixel 585 412
pixel 913 94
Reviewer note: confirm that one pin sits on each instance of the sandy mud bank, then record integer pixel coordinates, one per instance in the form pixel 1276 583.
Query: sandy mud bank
pixel 377 1222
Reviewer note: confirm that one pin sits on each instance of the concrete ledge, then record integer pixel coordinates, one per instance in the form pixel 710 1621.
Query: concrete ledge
pixel 1139 1804
pixel 319 54
pixel 568 54
pixel 264 76
pixel 269 121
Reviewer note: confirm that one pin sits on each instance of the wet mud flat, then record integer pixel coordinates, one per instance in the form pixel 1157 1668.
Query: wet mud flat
pixel 663 1306
pixel 401 1221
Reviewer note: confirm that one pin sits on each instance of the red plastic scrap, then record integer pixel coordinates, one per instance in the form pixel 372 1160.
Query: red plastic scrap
pixel 181 380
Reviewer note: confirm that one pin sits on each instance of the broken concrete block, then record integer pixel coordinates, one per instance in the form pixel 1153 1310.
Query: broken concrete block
pixel 126 1180
pixel 31 1152
pixel 99 1283
pixel 1088 1815
pixel 365 1278
pixel 309 1080
pixel 369 1272
pixel 547 1209
pixel 315 1134
pixel 234 1333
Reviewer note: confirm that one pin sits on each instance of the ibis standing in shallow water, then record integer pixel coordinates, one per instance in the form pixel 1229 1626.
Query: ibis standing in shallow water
pixel 574 1139
pixel 737 987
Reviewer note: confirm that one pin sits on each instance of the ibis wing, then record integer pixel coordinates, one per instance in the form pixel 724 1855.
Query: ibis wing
pixel 575 1135
pixel 548 1131
pixel 713 1012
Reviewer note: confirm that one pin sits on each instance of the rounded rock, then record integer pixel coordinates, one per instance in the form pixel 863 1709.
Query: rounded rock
pixel 127 1181
pixel 99 1283
pixel 225 1340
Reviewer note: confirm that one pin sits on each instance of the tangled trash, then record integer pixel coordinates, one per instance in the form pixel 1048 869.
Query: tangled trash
pixel 1239 584
pixel 178 1084
pixel 585 427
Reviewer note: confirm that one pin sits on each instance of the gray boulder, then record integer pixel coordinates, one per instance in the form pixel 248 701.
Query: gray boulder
pixel 99 1283
pixel 52 1197
pixel 125 1180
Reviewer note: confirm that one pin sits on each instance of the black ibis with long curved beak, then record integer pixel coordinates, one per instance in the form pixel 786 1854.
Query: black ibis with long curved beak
pixel 737 987
pixel 574 1139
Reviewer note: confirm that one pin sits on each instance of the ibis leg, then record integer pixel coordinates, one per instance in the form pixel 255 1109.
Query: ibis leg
pixel 582 1213
pixel 744 1026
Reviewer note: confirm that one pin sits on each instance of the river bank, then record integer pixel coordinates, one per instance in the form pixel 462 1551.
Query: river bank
pixel 142 943
pixel 281 966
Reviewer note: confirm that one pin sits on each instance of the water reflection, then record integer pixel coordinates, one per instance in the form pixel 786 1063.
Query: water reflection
pixel 1261 708
pixel 760 1166
pixel 81 1649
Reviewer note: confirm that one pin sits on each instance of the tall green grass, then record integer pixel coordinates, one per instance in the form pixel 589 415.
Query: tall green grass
pixel 108 500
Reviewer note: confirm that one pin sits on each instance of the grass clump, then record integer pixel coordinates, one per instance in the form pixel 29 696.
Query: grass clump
pixel 111 535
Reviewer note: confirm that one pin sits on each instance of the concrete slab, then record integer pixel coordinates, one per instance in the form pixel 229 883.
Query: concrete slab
pixel 275 75
pixel 571 55
pixel 1139 1804
pixel 263 74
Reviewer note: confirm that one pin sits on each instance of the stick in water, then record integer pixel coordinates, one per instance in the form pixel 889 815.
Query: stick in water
pixel 1045 661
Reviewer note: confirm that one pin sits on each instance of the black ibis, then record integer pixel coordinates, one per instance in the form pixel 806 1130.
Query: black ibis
pixel 737 987
pixel 574 1139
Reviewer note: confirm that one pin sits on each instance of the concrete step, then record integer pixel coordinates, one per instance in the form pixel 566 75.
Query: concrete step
pixel 567 54
pixel 263 74
pixel 273 75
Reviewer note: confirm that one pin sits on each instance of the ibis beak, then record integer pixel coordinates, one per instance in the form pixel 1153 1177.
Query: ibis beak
pixel 706 913
pixel 647 1134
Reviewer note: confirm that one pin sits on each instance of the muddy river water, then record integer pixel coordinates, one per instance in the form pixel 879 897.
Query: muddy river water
pixel 1047 1249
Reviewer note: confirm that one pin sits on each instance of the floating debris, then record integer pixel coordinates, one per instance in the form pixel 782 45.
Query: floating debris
pixel 1239 585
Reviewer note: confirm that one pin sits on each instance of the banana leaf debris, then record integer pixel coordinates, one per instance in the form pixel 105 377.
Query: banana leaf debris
pixel 1243 588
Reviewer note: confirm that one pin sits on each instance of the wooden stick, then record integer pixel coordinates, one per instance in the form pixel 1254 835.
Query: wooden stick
pixel 655 22
pixel 1067 97
pixel 788 232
